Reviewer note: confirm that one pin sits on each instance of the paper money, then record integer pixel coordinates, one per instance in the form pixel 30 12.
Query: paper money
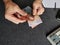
pixel 37 20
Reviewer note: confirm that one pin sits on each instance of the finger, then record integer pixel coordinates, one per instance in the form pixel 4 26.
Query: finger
pixel 31 18
pixel 20 16
pixel 34 10
pixel 22 12
pixel 14 19
pixel 40 11
pixel 17 15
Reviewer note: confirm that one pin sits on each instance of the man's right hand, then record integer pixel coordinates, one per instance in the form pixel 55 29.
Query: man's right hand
pixel 10 9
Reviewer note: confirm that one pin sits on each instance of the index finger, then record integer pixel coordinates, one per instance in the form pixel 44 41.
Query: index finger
pixel 22 12
pixel 13 19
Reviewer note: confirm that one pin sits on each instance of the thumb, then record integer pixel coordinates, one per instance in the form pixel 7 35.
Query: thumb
pixel 34 10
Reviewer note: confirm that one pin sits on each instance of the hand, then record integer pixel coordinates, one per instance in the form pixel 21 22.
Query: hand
pixel 38 9
pixel 10 9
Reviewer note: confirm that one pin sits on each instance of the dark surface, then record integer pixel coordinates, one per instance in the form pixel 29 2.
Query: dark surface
pixel 22 34
pixel 58 15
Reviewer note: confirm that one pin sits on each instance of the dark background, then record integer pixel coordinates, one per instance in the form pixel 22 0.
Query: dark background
pixel 22 34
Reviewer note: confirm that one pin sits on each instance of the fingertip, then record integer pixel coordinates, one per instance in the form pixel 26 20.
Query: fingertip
pixel 33 13
pixel 41 11
pixel 31 18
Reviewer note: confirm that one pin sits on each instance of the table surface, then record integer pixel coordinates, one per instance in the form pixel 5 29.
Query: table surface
pixel 22 34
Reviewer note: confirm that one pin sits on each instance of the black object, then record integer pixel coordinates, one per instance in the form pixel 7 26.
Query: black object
pixel 58 15
pixel 55 7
